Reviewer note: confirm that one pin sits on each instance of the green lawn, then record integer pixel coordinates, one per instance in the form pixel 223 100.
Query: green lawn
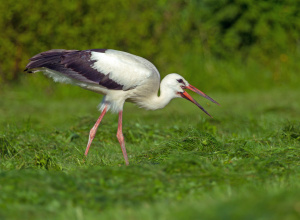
pixel 242 164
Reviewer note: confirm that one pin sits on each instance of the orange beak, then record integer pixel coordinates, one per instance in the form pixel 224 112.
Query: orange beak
pixel 188 97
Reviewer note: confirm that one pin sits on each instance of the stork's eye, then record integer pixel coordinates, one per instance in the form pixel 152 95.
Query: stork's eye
pixel 180 80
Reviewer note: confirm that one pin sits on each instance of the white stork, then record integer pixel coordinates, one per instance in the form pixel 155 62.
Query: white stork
pixel 119 76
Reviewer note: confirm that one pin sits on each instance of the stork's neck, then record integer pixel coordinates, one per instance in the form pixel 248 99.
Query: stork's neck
pixel 157 102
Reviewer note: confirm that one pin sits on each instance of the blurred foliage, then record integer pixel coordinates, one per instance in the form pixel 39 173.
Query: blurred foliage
pixel 174 35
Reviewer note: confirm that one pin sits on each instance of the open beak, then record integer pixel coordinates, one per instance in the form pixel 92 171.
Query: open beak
pixel 188 97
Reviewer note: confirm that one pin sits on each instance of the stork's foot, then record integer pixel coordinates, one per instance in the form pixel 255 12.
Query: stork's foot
pixel 91 138
pixel 122 144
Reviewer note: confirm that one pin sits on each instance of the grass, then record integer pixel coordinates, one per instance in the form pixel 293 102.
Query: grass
pixel 243 164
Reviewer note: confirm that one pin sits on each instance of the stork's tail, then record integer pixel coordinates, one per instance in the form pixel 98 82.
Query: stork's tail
pixel 46 59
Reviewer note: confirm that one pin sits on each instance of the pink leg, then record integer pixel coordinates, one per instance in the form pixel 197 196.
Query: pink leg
pixel 94 130
pixel 121 138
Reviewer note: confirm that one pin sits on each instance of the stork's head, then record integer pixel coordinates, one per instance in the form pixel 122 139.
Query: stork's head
pixel 177 85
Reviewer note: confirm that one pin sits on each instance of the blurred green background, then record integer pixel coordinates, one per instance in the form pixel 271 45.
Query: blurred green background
pixel 220 45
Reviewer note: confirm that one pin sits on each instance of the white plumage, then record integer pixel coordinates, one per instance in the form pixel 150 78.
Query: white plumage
pixel 118 75
pixel 120 66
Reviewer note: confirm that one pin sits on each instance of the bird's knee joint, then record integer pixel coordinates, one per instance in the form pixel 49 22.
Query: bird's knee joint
pixel 120 136
pixel 92 132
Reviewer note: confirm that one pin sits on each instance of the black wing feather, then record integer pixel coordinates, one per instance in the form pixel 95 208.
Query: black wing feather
pixel 74 64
